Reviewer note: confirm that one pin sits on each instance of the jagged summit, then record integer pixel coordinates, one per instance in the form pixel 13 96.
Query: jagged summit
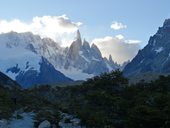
pixel 110 58
pixel 167 22
pixel 96 50
pixel 78 35
pixel 86 44
pixel 93 46
pixel 77 43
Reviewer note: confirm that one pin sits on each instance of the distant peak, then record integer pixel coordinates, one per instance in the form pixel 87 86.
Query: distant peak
pixel 84 40
pixel 85 43
pixel 96 49
pixel 110 58
pixel 166 22
pixel 77 40
pixel 94 46
pixel 78 36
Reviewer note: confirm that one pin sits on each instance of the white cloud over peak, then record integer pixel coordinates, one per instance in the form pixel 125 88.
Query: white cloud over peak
pixel 120 49
pixel 55 27
pixel 117 25
pixel 119 36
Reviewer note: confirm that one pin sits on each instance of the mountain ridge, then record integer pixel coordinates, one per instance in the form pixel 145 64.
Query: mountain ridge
pixel 78 62
pixel 155 56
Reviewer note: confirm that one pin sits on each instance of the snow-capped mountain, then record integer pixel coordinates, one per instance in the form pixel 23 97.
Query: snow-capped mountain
pixel 21 62
pixel 155 56
pixel 87 59
pixel 25 54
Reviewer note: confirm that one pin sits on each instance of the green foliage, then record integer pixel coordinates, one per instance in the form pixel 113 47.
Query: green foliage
pixel 108 101
pixel 105 101
pixel 19 116
pixel 67 120
pixel 7 106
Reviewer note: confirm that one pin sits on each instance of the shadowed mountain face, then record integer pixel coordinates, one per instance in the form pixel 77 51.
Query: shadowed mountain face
pixel 8 82
pixel 155 56
pixel 47 75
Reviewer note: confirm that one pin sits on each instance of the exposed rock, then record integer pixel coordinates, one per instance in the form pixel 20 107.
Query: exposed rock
pixel 3 123
pixel 45 124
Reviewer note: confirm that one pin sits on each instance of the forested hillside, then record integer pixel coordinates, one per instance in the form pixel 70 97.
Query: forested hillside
pixel 103 101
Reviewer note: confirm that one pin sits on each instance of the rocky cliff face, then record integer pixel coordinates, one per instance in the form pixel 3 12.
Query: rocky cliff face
pixel 87 59
pixel 155 56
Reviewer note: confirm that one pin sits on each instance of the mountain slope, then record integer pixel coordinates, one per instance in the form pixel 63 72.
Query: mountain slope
pixel 47 75
pixel 155 56
pixel 5 81
pixel 21 62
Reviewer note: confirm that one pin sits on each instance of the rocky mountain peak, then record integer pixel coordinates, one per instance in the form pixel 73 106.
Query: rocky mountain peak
pixel 78 35
pixel 78 42
pixel 166 22
pixel 93 46
pixel 110 58
pixel 86 44
pixel 96 50
pixel 75 47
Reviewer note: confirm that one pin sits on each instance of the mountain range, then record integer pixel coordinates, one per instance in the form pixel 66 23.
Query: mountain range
pixel 30 59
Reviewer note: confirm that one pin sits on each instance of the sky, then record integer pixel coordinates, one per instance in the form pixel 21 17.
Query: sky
pixel 118 27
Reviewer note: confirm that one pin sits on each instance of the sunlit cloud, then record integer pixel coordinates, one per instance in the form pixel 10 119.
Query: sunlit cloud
pixel 54 27
pixel 119 36
pixel 120 49
pixel 117 25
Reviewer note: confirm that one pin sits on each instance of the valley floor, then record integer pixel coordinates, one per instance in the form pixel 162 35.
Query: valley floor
pixel 27 121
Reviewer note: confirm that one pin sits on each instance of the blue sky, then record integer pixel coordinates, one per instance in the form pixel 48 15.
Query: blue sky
pixel 142 17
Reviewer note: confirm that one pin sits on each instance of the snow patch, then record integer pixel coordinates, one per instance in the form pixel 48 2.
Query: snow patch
pixel 23 58
pixel 154 42
pixel 93 58
pixel 160 49
pixel 141 61
pixel 75 74
pixel 81 54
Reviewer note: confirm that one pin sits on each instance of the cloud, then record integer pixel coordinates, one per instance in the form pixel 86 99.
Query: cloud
pixel 116 26
pixel 120 49
pixel 133 41
pixel 55 27
pixel 119 37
